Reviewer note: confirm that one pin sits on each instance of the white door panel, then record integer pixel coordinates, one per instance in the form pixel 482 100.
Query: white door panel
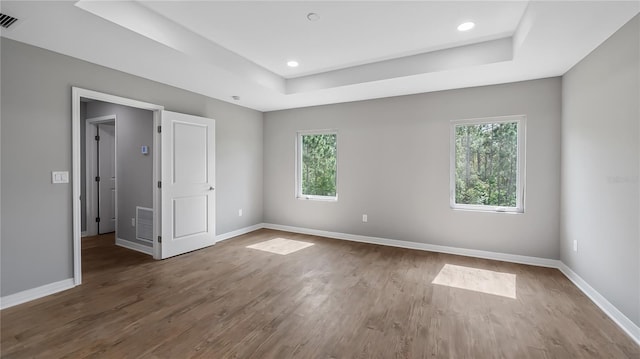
pixel 188 183
pixel 190 156
pixel 190 216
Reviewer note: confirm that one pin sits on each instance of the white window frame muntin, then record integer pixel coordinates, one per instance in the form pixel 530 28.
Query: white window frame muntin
pixel 521 120
pixel 298 191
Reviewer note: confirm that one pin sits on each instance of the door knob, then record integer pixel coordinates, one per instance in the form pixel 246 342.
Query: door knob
pixel 211 188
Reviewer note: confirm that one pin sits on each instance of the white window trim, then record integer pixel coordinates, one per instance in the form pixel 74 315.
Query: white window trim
pixel 521 120
pixel 298 192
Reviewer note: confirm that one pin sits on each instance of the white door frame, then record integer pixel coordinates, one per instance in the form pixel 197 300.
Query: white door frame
pixel 90 192
pixel 76 94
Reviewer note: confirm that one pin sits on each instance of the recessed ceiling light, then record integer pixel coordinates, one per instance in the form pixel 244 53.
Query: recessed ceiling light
pixel 466 26
pixel 292 63
pixel 312 16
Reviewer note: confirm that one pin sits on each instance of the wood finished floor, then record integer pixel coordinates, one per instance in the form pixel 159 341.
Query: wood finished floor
pixel 335 299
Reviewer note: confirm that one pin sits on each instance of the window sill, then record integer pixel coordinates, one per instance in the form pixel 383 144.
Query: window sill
pixel 318 198
pixel 484 209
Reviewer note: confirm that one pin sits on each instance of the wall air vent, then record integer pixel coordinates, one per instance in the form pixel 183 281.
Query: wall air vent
pixel 144 224
pixel 6 20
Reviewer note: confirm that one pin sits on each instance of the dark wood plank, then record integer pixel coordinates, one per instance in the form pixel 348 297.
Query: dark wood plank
pixel 335 299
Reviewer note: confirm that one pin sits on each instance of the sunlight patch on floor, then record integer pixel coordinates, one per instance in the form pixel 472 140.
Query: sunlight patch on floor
pixel 478 280
pixel 280 246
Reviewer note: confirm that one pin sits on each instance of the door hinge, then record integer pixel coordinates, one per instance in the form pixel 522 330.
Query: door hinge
pixel 98 219
pixel 97 138
pixel 159 239
pixel 97 178
pixel 159 184
pixel 159 129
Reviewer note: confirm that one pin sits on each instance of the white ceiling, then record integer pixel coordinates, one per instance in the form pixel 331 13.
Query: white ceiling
pixel 347 34
pixel 357 49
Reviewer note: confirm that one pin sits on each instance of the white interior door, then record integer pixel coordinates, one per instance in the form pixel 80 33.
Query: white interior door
pixel 107 174
pixel 188 183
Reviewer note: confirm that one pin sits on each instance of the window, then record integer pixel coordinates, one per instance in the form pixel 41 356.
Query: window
pixel 317 165
pixel 487 164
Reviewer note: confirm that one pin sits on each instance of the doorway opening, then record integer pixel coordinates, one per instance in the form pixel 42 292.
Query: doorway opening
pixel 117 193
pixel 110 187
pixel 179 214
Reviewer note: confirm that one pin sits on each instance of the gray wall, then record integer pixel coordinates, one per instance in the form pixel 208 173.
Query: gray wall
pixel 393 165
pixel 36 139
pixel 134 181
pixel 600 162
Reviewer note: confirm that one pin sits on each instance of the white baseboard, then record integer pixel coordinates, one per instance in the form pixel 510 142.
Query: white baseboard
pixel 238 232
pixel 35 293
pixel 514 258
pixel 620 319
pixel 134 246
pixel 609 309
pixel 85 234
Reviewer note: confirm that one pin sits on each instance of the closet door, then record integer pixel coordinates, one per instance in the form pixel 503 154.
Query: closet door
pixel 107 174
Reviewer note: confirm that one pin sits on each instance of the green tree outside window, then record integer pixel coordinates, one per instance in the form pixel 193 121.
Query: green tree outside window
pixel 486 164
pixel 318 164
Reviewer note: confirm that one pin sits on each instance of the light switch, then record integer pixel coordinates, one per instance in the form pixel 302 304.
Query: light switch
pixel 60 177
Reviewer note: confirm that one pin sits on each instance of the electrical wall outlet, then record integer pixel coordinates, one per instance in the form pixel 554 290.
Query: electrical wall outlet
pixel 575 245
pixel 240 212
pixel 133 222
pixel 364 218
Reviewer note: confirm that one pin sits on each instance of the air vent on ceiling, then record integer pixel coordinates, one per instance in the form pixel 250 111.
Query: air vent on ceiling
pixel 6 20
